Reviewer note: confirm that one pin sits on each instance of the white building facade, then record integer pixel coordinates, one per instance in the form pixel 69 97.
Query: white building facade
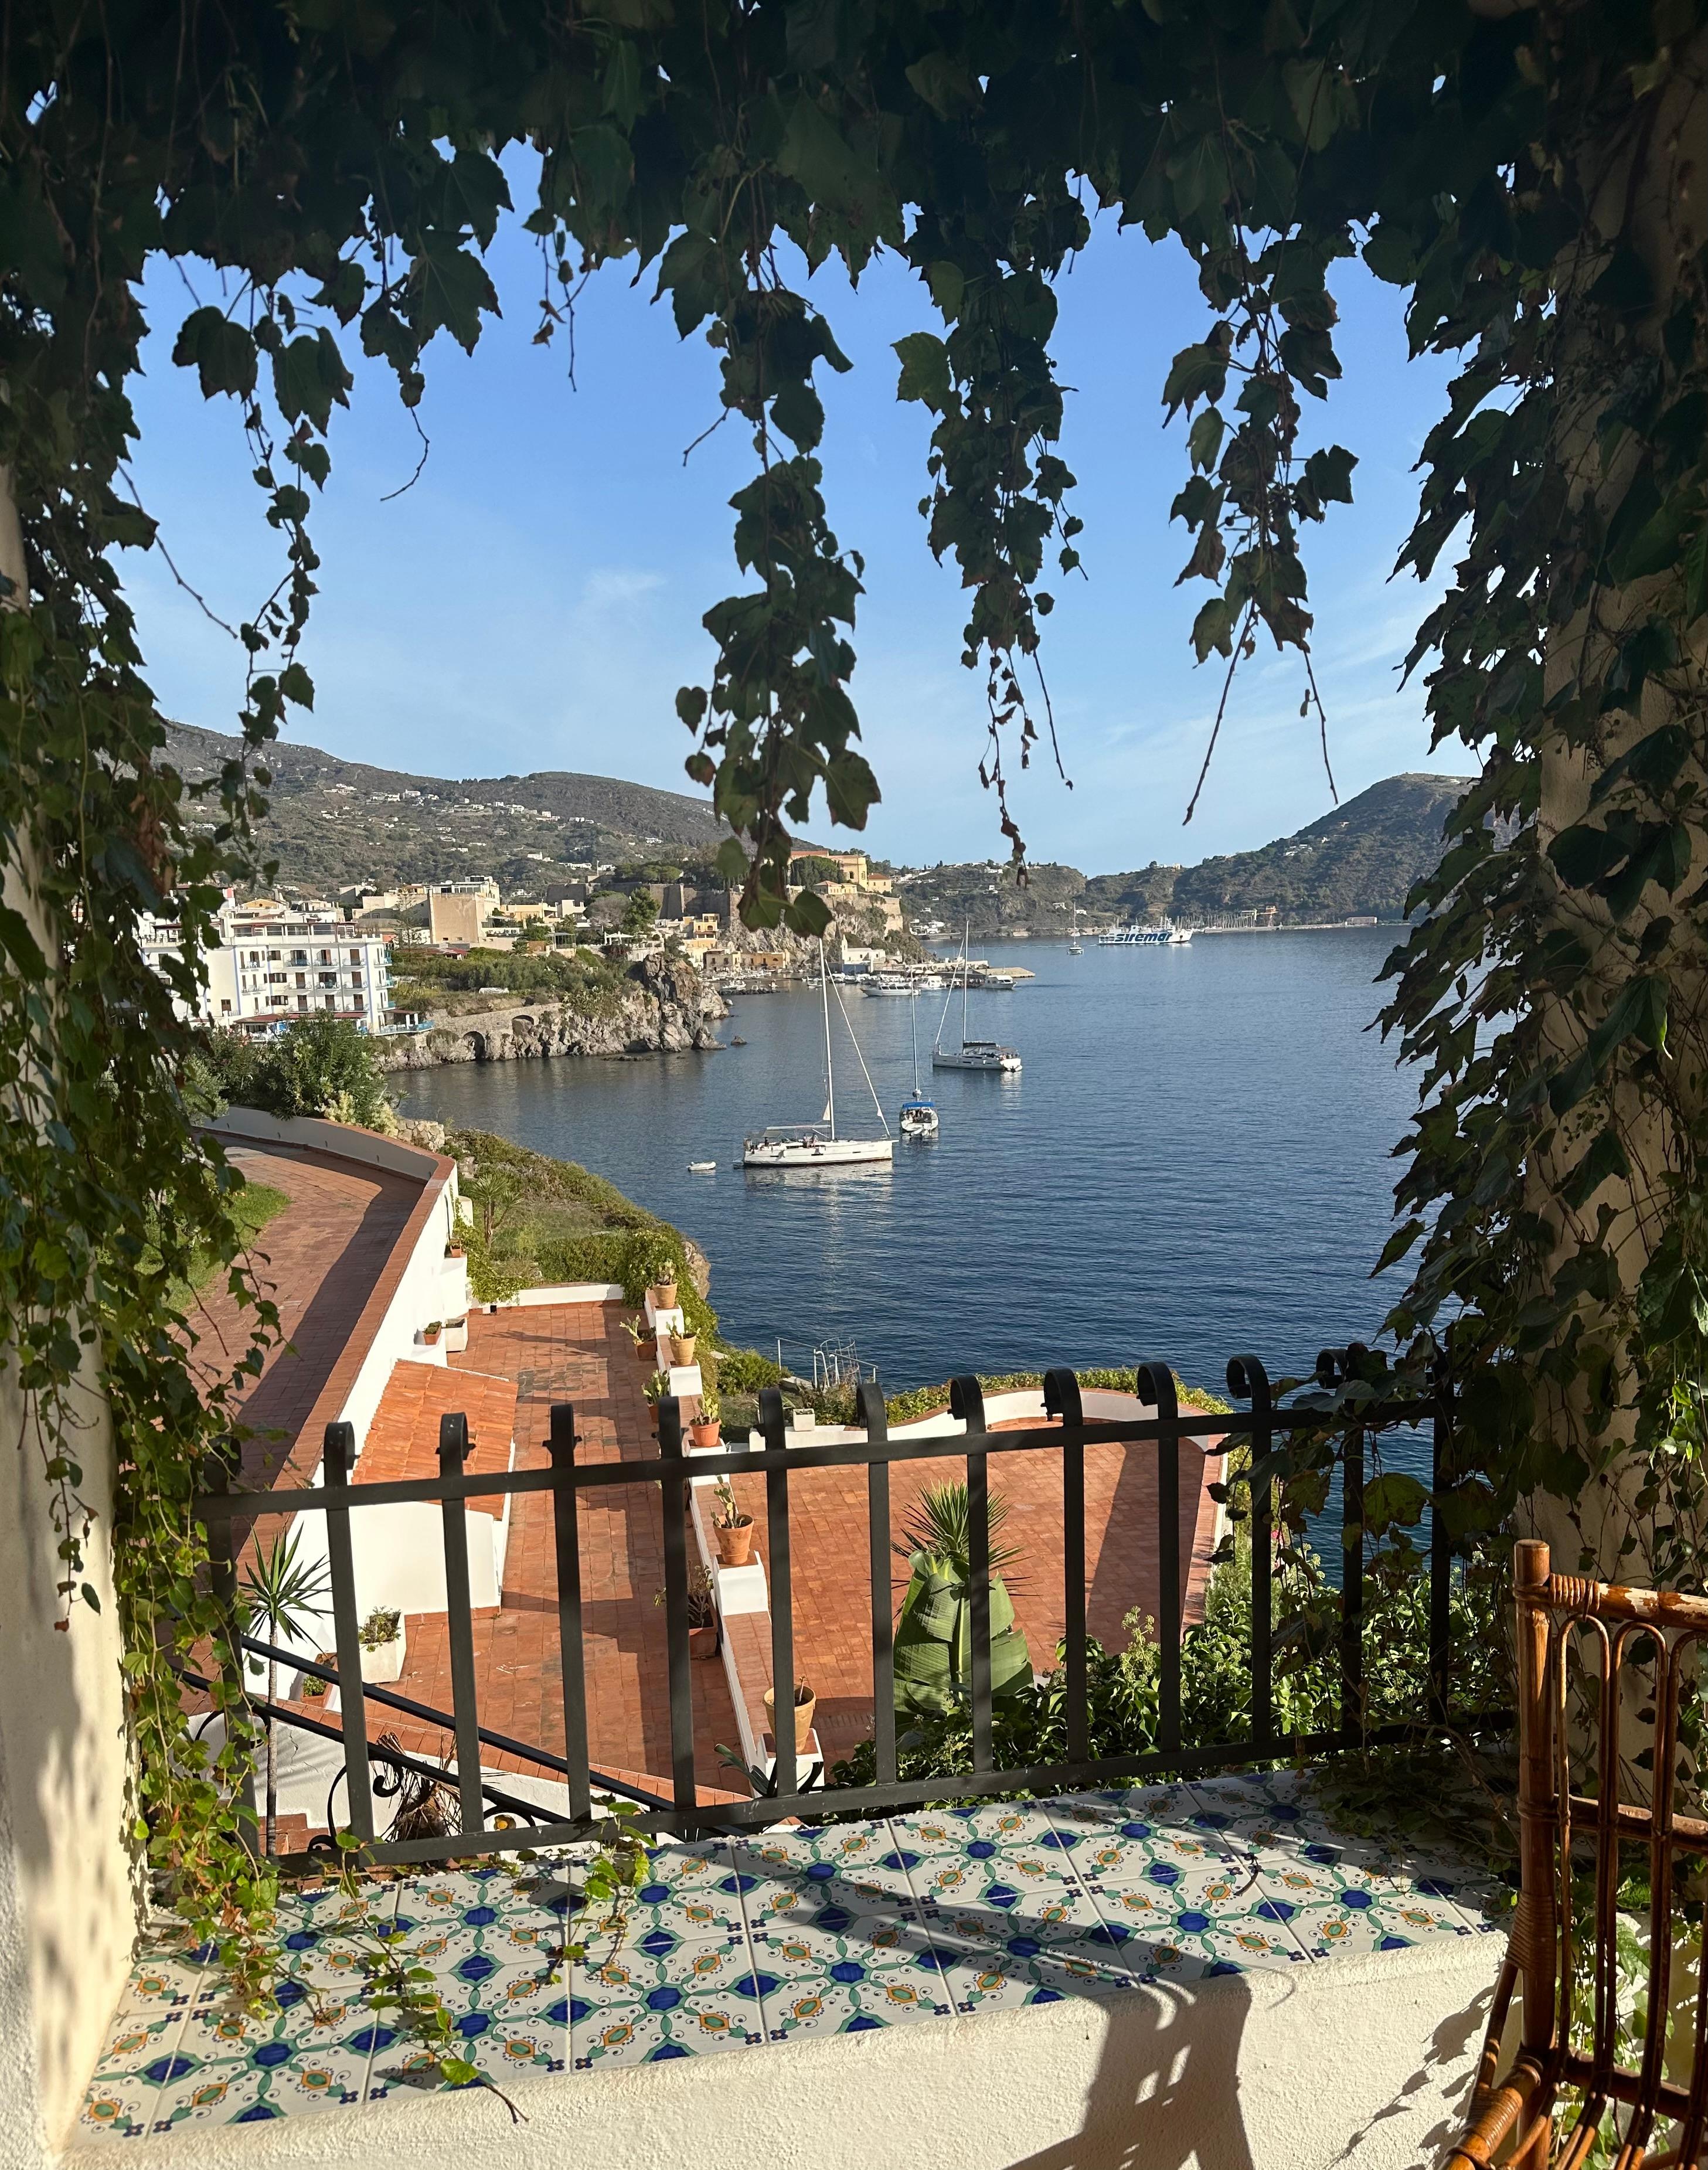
pixel 276 962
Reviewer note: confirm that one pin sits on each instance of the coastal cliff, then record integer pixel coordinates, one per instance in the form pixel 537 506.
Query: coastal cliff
pixel 662 1007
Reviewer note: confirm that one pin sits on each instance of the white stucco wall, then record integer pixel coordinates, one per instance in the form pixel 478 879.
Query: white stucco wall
pixel 67 1914
pixel 1356 2063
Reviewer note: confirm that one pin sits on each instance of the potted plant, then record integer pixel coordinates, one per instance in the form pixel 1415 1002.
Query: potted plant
pixel 805 1704
pixel 704 1633
pixel 661 1278
pixel 640 1339
pixel 431 1334
pixel 655 1389
pixel 681 1348
pixel 455 1251
pixel 733 1529
pixel 312 1688
pixel 704 1431
pixel 380 1636
pixel 457 1334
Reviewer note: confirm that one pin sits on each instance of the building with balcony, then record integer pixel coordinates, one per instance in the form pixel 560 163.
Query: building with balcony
pixel 275 963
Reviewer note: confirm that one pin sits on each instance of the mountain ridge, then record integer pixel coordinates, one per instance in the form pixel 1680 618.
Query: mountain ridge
pixel 332 821
pixel 1359 860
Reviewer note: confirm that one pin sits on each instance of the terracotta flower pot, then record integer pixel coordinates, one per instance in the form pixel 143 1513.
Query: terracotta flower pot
pixel 702 1642
pixel 804 1719
pixel 681 1348
pixel 663 1295
pixel 734 1547
pixel 704 1435
pixel 645 1352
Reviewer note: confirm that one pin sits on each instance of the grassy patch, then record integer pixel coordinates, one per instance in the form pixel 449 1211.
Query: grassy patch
pixel 254 1206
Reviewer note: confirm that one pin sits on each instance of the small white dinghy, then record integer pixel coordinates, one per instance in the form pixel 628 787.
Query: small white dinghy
pixel 702 1167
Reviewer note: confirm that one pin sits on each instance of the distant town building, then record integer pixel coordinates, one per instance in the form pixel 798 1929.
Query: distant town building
pixel 275 962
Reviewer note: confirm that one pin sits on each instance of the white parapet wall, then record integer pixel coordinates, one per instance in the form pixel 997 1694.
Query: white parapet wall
pixel 1354 2064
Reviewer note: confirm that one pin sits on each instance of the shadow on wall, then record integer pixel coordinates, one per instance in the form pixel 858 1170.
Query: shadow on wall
pixel 1167 2092
pixel 1199 2078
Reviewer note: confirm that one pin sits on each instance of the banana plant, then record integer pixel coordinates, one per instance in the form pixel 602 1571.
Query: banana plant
pixel 934 1634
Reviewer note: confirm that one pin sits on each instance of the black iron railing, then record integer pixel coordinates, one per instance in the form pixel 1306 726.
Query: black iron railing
pixel 492 1819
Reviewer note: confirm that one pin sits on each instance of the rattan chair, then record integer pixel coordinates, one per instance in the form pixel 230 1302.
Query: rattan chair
pixel 1567 1967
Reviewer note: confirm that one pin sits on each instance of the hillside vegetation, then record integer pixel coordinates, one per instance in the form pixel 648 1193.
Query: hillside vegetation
pixel 1360 861
pixel 332 821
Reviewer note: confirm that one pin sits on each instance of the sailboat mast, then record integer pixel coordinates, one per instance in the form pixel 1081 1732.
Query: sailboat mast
pixel 913 1028
pixel 830 1074
pixel 966 936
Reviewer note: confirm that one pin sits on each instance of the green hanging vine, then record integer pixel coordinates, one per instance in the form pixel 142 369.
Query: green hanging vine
pixel 1530 175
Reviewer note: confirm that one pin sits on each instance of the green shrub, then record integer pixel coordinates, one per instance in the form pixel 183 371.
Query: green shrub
pixel 323 1066
pixel 746 1372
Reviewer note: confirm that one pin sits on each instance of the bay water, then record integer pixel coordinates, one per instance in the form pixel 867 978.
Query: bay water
pixel 1195 1160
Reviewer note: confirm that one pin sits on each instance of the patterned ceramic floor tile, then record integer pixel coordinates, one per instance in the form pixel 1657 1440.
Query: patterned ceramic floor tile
pixel 691 1892
pixel 658 1997
pixel 857 1867
pixel 953 1855
pixel 240 2068
pixel 168 1975
pixel 825 1964
pixel 1186 1911
pixel 138 2069
pixel 1116 1837
pixel 1334 1894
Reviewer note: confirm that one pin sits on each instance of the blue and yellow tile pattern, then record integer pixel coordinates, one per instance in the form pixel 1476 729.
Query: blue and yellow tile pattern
pixel 781 1936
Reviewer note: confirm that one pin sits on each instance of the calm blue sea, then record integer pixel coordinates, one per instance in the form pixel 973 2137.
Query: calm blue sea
pixel 1195 1160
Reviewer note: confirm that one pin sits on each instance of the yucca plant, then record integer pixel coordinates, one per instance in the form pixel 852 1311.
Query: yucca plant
pixel 933 1637
pixel 281 1594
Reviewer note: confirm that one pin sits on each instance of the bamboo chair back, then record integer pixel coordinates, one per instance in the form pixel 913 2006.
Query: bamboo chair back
pixel 1568 1966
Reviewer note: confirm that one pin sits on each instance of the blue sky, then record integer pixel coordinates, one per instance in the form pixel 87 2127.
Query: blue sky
pixel 534 601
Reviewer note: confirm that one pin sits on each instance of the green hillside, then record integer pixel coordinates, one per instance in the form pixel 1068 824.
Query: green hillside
pixel 1358 862
pixel 1361 860
pixel 332 822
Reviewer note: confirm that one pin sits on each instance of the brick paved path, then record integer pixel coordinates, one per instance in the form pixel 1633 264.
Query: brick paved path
pixel 575 1354
pixel 319 1261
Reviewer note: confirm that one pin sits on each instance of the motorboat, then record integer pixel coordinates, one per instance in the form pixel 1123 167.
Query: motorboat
pixel 971 1054
pixel 702 1167
pixel 816 1144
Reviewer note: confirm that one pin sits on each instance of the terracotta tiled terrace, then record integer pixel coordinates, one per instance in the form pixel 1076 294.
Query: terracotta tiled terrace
pixel 572 1354
pixel 828 1549
pixel 576 1354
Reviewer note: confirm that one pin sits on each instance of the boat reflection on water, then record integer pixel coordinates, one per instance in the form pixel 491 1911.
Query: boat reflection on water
pixel 827 1172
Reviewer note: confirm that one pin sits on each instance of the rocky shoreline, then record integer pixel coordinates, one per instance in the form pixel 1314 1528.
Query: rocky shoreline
pixel 665 1007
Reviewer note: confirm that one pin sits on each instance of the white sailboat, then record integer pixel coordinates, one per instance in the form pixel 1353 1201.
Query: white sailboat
pixel 816 1144
pixel 971 1054
pixel 919 1117
pixel 1076 947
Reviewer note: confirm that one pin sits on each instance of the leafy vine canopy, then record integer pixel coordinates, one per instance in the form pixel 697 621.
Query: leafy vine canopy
pixel 329 176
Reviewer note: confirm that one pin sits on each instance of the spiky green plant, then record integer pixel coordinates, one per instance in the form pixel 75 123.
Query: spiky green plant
pixel 933 1636
pixel 281 1594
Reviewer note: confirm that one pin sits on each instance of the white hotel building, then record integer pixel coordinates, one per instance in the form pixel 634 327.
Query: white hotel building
pixel 275 962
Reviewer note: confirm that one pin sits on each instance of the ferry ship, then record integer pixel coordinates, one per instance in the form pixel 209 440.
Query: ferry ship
pixel 1166 936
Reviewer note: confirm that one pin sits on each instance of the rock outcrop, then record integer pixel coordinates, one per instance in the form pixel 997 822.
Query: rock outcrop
pixel 664 1007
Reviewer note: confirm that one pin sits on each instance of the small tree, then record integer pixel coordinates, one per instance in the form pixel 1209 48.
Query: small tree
pixel 934 1635
pixel 640 913
pixel 281 1594
pixel 327 1068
